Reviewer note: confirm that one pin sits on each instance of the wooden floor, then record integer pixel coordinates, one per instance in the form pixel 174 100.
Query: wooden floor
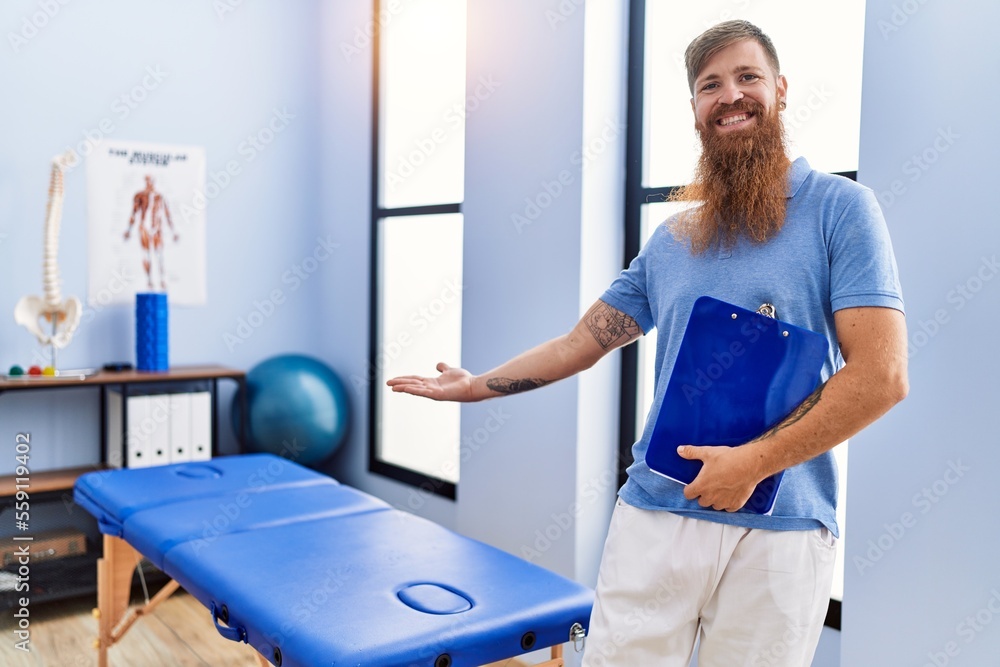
pixel 179 633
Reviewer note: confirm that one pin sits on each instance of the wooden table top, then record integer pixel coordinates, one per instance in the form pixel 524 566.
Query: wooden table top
pixel 199 372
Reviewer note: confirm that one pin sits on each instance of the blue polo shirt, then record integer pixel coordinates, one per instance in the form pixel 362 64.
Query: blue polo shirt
pixel 833 252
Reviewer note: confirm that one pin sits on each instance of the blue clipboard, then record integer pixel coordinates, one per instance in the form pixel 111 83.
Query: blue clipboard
pixel 737 374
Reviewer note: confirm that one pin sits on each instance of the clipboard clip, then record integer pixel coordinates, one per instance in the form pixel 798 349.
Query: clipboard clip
pixel 767 310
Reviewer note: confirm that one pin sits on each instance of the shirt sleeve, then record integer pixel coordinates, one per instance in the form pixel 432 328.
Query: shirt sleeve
pixel 628 293
pixel 862 265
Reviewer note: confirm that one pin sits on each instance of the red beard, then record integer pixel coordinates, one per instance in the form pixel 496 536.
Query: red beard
pixel 740 181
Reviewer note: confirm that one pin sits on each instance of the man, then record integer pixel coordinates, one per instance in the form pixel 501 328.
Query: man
pixel 682 563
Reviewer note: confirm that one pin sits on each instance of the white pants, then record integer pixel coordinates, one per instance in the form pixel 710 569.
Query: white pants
pixel 753 597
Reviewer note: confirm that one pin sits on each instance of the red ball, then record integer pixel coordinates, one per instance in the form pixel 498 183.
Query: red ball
pixel 34 370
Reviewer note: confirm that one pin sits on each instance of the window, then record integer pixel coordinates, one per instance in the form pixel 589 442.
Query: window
pixel 823 68
pixel 417 192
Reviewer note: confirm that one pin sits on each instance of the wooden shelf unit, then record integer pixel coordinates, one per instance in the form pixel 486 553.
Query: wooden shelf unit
pixel 122 381
pixel 176 374
pixel 43 482
pixel 67 577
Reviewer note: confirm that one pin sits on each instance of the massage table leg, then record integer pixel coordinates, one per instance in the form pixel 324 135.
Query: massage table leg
pixel 114 589
pixel 557 658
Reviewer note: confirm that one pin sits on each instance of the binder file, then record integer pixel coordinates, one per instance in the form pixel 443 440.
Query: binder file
pixel 737 374
pixel 137 434
pixel 161 428
pixel 180 428
pixel 201 426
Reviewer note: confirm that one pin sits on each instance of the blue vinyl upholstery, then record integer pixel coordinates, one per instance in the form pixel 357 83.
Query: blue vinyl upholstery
pixel 327 574
pixel 113 495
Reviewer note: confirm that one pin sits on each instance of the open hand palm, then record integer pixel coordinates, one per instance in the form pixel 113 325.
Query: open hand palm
pixel 453 384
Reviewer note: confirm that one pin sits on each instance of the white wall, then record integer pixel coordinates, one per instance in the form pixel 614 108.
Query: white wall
pixel 921 573
pixel 524 284
pixel 602 158
pixel 828 650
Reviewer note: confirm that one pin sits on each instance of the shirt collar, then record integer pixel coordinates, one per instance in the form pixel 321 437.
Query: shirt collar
pixel 797 175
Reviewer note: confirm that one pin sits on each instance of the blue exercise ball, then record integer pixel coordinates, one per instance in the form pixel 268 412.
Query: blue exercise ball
pixel 297 408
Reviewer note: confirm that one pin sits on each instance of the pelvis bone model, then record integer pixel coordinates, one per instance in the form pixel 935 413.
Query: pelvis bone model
pixel 62 316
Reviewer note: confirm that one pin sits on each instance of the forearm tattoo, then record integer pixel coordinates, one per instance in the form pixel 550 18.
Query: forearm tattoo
pixel 610 326
pixel 510 386
pixel 798 413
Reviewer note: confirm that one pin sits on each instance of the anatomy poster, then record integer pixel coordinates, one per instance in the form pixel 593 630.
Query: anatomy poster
pixel 146 218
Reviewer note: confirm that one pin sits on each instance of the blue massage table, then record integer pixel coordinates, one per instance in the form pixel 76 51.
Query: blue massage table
pixel 312 572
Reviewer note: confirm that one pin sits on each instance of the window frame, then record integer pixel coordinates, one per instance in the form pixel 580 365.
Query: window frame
pixel 638 195
pixel 376 465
